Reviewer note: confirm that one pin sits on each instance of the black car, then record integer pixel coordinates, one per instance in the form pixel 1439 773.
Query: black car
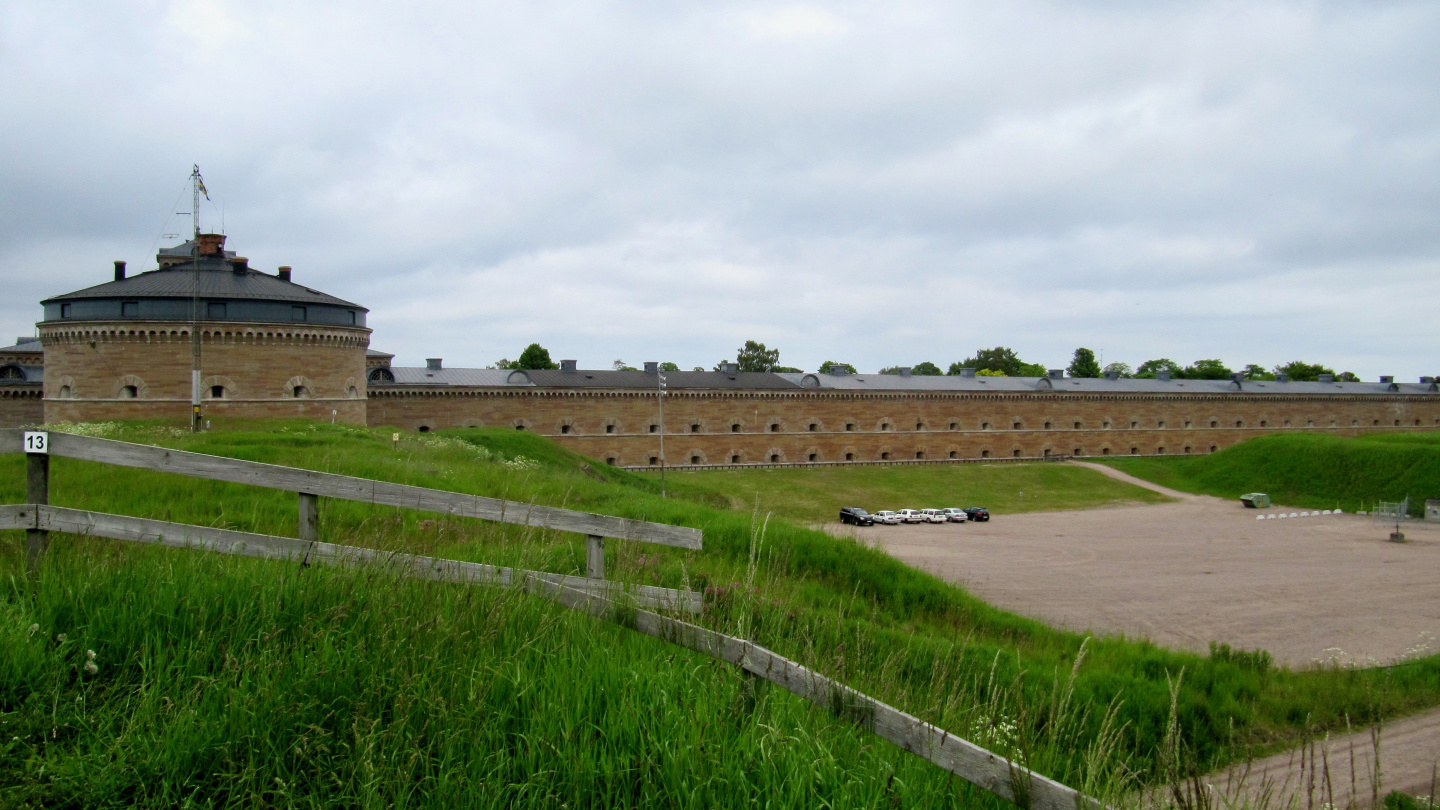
pixel 857 516
pixel 977 513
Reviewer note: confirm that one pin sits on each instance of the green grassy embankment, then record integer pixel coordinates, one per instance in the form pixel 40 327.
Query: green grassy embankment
pixel 1307 470
pixel 815 494
pixel 228 681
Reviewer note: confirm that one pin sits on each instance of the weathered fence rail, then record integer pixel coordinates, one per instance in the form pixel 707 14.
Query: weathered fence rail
pixel 41 517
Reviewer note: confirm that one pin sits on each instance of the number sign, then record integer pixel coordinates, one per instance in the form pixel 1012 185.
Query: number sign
pixel 37 441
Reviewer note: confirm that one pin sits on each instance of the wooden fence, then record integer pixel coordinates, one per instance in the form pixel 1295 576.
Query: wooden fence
pixel 592 595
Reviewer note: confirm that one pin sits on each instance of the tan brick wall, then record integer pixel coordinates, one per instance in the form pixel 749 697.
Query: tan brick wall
pixel 258 365
pixel 21 405
pixel 896 427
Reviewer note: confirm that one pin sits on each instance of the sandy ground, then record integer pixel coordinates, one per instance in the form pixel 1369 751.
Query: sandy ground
pixel 1201 569
pixel 1183 574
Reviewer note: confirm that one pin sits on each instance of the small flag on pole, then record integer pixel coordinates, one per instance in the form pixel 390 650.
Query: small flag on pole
pixel 201 181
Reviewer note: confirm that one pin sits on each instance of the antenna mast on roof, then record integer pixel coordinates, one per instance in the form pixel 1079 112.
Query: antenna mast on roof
pixel 197 187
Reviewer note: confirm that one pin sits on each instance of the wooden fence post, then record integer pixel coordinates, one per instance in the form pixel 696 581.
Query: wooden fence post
pixel 595 557
pixel 37 491
pixel 309 521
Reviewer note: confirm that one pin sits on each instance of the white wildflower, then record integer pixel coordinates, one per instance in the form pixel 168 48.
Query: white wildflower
pixel 34 628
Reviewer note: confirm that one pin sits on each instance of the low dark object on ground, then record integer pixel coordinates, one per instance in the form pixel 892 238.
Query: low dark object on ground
pixel 856 515
pixel 977 513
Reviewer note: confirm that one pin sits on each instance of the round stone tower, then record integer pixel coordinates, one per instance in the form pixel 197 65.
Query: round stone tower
pixel 268 348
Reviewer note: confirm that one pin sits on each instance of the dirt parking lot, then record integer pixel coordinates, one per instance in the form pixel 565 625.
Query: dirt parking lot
pixel 1183 574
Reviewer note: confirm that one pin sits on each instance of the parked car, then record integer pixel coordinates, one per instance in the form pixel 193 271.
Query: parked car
pixel 954 514
pixel 856 516
pixel 886 517
pixel 911 516
pixel 935 516
pixel 977 513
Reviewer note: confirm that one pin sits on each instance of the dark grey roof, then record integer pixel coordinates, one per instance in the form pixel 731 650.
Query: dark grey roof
pixel 217 280
pixel 377 353
pixel 674 380
pixel 24 344
pixel 895 382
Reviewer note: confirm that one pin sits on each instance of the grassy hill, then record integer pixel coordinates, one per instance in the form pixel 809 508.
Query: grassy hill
pixel 228 681
pixel 1307 469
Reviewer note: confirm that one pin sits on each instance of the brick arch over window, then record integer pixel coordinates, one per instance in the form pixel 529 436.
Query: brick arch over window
pixel 849 453
pixel 227 386
pixel 131 382
pixel 885 424
pixel 354 389
pixel 695 456
pixel 566 426
pixel 817 422
pixel 775 455
pixel 521 424
pixel 298 387
pixel 812 453
pixel 64 387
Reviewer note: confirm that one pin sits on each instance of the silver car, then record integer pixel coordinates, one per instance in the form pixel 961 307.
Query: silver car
pixel 886 517
pixel 954 514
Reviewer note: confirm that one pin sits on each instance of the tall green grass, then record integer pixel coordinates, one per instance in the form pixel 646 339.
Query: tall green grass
pixel 848 610
pixel 1308 470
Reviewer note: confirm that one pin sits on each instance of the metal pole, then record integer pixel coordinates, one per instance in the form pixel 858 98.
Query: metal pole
pixel 660 396
pixel 195 302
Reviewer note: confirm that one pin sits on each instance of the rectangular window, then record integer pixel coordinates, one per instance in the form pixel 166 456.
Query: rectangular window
pixel 129 309
pixel 297 313
pixel 352 317
pixel 215 311
pixel 64 310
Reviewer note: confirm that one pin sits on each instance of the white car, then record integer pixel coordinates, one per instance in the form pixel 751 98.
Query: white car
pixel 912 516
pixel 935 516
pixel 954 514
pixel 886 517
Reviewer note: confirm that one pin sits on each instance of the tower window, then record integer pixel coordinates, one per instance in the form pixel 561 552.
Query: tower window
pixel 735 428
pixel 694 428
pixel 64 310
pixel 813 456
pixel 217 392
pixel 609 428
pixel 774 427
pixel 564 428
pixel 652 428
pixel 814 427
pixel 774 457
pixel 300 392
pixel 734 459
pixel 129 392
pixel 849 425
pixel 849 456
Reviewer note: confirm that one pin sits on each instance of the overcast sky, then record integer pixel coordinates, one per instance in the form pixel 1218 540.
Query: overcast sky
pixel 875 183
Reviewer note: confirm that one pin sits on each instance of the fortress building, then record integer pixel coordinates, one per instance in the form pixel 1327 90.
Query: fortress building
pixel 270 348
pixel 267 347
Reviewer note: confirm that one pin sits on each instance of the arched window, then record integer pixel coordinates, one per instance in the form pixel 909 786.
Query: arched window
pixel 217 392
pixel 12 372
pixel 300 392
pixel 64 392
pixel 129 392
pixel 381 375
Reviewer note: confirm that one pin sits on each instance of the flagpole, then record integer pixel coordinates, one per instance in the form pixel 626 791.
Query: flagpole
pixel 660 397
pixel 195 300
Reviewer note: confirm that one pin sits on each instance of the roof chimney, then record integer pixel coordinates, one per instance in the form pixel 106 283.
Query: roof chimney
pixel 729 368
pixel 240 265
pixel 284 272
pixel 212 244
pixel 119 270
pixel 836 370
pixel 432 364
pixel 1056 373
pixel 567 366
pixel 1387 379
pixel 1112 375
pixel 1236 376
pixel 967 372
pixel 1162 376
pixel 1281 376
pixel 652 367
pixel 1327 378
pixel 1426 380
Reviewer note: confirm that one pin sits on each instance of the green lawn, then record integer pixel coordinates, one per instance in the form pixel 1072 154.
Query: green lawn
pixel 1311 470
pixel 815 494
pixel 226 681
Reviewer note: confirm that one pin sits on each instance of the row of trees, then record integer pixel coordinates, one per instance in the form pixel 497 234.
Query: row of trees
pixel 1000 361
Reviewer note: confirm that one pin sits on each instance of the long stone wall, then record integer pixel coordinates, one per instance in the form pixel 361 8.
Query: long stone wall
pixel 21 405
pixel 790 427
